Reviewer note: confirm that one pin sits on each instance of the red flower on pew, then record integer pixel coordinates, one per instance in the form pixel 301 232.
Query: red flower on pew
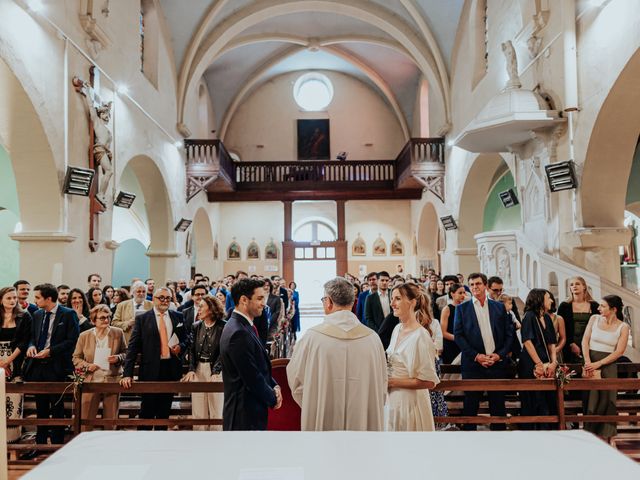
pixel 563 375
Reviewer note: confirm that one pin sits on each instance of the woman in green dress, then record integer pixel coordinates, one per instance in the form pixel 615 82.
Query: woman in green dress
pixel 605 340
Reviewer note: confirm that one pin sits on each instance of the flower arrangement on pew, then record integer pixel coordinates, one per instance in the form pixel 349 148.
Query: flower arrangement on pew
pixel 563 375
pixel 78 377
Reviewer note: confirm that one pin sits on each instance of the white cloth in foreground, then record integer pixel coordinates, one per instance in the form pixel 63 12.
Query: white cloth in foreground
pixel 414 357
pixel 338 375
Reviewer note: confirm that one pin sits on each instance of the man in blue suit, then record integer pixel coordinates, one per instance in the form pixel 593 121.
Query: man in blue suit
pixel 54 332
pixel 483 331
pixel 372 280
pixel 249 388
pixel 161 337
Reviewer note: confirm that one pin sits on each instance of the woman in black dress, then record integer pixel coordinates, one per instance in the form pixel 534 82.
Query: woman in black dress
pixel 538 356
pixel 450 351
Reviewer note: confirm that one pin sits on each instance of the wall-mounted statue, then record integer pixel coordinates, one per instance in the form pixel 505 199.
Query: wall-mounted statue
pixel 100 115
pixel 512 65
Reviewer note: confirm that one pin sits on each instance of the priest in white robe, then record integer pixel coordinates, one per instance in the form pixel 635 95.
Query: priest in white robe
pixel 338 372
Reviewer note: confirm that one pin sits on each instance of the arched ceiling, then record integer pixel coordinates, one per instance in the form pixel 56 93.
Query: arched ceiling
pixel 237 45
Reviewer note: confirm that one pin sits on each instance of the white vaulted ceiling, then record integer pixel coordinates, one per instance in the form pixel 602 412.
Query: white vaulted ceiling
pixel 237 45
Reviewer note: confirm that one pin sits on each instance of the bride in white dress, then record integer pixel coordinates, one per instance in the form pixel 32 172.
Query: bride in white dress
pixel 411 358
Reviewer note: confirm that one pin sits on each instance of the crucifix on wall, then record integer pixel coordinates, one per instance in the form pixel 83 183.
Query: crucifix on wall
pixel 100 149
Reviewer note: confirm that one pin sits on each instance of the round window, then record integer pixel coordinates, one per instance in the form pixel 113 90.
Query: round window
pixel 313 92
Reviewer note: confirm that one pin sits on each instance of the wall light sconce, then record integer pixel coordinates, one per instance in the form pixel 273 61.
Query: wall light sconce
pixel 182 225
pixel 509 198
pixel 77 181
pixel 561 176
pixel 124 199
pixel 449 223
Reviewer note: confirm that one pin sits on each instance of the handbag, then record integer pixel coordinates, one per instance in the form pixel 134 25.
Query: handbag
pixel 545 365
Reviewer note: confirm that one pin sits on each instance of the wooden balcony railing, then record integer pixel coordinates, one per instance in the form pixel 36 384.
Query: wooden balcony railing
pixel 207 162
pixel 292 175
pixel 211 168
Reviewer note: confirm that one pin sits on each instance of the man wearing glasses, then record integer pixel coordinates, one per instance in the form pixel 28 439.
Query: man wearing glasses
pixel 496 288
pixel 160 336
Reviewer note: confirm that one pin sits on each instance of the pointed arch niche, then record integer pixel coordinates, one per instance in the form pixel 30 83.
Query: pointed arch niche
pixel 202 246
pixel 430 239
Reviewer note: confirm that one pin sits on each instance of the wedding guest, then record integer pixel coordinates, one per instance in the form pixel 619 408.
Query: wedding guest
pixel 107 295
pixel 295 299
pixel 119 295
pixel 204 360
pixel 95 297
pixel 538 357
pixel 101 351
pixel 78 302
pixel 558 326
pixel 605 340
pixel 63 293
pixel 450 349
pixel 15 330
pixel 411 357
pixel 576 312
pixel 484 333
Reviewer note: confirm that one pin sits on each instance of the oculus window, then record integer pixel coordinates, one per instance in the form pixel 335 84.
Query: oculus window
pixel 313 92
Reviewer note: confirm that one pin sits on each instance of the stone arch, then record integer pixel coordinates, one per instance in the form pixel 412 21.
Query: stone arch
pixel 159 213
pixel 202 235
pixel 429 236
pixel 610 152
pixel 257 76
pixel 479 180
pixel 203 50
pixel 23 136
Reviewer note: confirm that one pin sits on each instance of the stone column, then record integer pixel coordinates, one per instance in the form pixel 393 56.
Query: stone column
pixel 163 266
pixel 42 255
pixel 596 250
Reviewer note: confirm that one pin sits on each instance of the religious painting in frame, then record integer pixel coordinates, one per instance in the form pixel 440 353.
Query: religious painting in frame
pixel 253 251
pixel 358 247
pixel 271 251
pixel 397 248
pixel 379 247
pixel 233 252
pixel 313 139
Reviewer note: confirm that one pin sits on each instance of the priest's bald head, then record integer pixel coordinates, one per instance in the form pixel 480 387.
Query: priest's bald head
pixel 339 294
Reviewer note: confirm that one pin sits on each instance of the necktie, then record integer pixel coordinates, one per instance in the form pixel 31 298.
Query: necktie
pixel 44 333
pixel 255 330
pixel 138 306
pixel 164 338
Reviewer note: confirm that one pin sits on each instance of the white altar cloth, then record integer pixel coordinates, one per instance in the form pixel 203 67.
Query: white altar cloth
pixel 179 455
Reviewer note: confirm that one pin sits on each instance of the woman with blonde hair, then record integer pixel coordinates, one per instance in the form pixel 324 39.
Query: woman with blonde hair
pixel 101 351
pixel 411 359
pixel 576 312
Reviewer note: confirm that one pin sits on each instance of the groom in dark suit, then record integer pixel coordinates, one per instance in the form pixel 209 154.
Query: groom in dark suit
pixel 161 337
pixel 484 332
pixel 249 389
pixel 54 332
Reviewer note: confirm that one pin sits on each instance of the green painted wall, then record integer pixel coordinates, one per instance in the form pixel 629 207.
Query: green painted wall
pixel 633 186
pixel 130 262
pixel 496 217
pixel 9 249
